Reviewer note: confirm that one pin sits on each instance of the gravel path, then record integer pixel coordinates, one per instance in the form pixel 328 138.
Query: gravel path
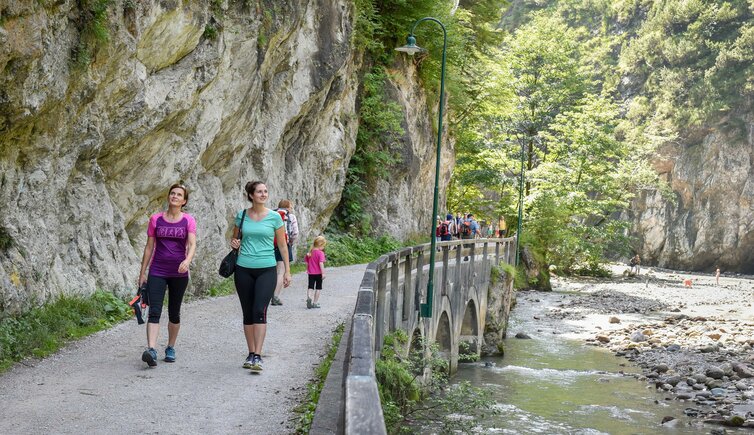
pixel 99 385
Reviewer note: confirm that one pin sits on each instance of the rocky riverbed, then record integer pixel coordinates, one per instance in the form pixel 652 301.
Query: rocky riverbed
pixel 695 344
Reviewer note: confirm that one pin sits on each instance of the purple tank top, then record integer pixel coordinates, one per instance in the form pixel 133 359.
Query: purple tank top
pixel 170 243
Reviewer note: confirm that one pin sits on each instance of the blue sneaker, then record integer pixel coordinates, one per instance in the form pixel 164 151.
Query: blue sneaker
pixel 256 364
pixel 249 361
pixel 170 354
pixel 150 357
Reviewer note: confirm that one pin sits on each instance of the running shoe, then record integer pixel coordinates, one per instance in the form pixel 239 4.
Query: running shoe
pixel 170 354
pixel 249 361
pixel 276 301
pixel 150 357
pixel 308 302
pixel 315 306
pixel 256 364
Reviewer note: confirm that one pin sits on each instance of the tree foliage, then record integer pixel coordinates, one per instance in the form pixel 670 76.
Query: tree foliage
pixel 381 26
pixel 555 116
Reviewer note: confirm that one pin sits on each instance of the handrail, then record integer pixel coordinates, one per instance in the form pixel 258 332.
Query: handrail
pixel 388 299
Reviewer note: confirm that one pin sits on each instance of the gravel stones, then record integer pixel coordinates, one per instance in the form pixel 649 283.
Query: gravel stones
pixel 715 373
pixel 701 353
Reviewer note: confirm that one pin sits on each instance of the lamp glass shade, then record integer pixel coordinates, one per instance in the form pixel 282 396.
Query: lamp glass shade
pixel 410 47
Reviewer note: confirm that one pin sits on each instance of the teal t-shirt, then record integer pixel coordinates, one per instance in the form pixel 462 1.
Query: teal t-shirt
pixel 257 249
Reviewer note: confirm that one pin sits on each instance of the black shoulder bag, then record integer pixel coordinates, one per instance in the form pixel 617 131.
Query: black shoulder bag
pixel 228 265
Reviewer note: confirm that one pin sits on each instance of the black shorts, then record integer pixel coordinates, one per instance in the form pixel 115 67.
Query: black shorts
pixel 279 257
pixel 315 282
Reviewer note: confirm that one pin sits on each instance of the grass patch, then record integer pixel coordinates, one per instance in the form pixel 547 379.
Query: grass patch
pixel 45 330
pixel 345 249
pixel 42 331
pixel 314 388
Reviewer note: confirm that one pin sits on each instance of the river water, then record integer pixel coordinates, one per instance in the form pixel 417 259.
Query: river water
pixel 555 384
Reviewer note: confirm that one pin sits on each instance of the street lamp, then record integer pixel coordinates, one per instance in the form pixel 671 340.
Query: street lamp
pixel 411 48
pixel 520 200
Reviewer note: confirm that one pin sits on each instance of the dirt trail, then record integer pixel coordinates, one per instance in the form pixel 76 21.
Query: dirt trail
pixel 100 385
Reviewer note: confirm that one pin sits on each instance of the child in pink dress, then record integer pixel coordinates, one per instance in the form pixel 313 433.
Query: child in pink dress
pixel 315 267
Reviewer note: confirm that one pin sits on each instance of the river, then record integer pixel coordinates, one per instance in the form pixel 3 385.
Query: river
pixel 553 383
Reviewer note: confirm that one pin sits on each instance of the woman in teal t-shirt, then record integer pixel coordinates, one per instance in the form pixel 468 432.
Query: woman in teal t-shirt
pixel 255 276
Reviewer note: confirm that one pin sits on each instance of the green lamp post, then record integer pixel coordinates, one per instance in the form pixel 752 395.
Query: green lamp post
pixel 520 201
pixel 411 48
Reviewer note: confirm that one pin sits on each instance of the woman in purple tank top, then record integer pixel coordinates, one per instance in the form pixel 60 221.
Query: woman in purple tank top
pixel 171 243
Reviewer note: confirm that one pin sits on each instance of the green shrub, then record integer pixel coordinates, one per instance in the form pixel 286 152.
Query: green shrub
pixel 93 30
pixel 6 241
pixel 430 403
pixel 210 31
pixel 344 249
pixel 465 354
pixel 42 331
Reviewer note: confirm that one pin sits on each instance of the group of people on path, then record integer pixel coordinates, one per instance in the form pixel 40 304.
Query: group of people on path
pixel 459 227
pixel 264 240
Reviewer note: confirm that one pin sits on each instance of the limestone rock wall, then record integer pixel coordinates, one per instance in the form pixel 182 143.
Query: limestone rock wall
pixel 710 221
pixel 87 153
pixel 402 204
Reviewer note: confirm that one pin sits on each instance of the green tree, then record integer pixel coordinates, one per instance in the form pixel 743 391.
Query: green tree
pixel 549 107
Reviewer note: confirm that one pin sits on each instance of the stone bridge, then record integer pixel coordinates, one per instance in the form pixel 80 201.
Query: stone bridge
pixel 388 300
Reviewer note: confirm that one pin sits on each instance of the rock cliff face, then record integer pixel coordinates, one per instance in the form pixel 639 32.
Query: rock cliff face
pixel 214 93
pixel 211 93
pixel 711 221
pixel 402 204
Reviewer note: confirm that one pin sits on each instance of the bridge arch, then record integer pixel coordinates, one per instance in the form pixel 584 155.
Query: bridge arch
pixel 470 328
pixel 444 339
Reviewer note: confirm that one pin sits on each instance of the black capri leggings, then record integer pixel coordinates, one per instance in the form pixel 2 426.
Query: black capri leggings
pixel 156 290
pixel 255 288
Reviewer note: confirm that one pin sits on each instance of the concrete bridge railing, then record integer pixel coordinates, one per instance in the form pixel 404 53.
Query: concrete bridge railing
pixel 389 296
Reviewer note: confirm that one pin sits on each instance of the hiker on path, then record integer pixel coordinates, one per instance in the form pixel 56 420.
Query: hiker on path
pixel 315 268
pixel 171 244
pixel 285 209
pixel 635 264
pixel 470 227
pixel 444 229
pixel 255 275
pixel 469 230
pixel 452 227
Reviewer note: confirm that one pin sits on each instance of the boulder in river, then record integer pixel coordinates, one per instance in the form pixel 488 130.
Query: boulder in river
pixel 523 336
